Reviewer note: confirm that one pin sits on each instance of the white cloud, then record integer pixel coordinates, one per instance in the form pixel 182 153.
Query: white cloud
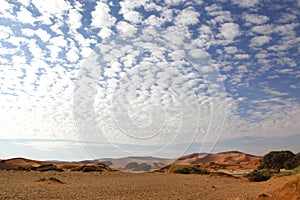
pixel 265 29
pixel 231 49
pixel 43 89
pixel 44 35
pixel 174 2
pixel 287 18
pixel 54 7
pixel 25 3
pixel 34 49
pixel 74 19
pixel 25 16
pixel 54 51
pixel 59 41
pixel 262 54
pixel 151 6
pixel 105 32
pixel 50 145
pixel 255 18
pixel 154 21
pixel 128 10
pixel 128 5
pixel 259 41
pixel 187 17
pixel 245 3
pixel 213 7
pixel 126 28
pixel 175 35
pixel 220 16
pixel 178 55
pixel 198 53
pixel 41 33
pixel 230 31
pixel 274 119
pixel 72 55
pixel 101 17
pixel 57 28
pixel 5 32
pixel 242 56
pixel 5 6
pixel 133 16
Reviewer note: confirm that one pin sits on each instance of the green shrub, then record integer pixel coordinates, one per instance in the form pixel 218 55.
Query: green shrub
pixel 276 160
pixel 75 169
pixel 188 170
pixel 47 167
pixel 296 170
pixel 91 169
pixel 290 172
pixel 260 175
pixel 86 168
pixel 287 173
pixel 292 162
pixel 18 169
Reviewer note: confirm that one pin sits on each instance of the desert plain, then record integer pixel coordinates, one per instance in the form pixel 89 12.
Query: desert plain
pixel 121 185
pixel 30 179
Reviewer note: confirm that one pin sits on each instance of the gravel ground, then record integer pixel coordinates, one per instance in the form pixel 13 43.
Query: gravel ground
pixel 118 185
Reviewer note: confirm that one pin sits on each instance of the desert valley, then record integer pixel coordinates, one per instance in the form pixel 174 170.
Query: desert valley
pixel 193 176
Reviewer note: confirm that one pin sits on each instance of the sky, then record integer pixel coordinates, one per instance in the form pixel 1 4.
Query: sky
pixel 92 79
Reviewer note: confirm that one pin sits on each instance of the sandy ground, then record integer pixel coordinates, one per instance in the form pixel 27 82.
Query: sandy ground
pixel 118 185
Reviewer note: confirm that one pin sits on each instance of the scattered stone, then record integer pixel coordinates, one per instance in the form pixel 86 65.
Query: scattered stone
pixel 263 195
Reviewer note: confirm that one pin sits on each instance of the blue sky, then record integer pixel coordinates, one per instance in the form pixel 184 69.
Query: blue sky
pixel 90 79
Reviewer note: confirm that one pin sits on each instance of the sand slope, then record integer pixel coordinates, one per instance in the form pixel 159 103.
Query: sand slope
pixel 225 160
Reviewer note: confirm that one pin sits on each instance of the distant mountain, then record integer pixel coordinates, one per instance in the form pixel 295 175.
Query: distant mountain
pixel 27 164
pixel 228 159
pixel 223 160
pixel 138 159
pixel 120 163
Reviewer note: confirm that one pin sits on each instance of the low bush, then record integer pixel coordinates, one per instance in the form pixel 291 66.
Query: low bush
pixel 188 170
pixel 18 169
pixel 92 169
pixel 289 172
pixel 296 170
pixel 86 168
pixel 260 175
pixel 280 159
pixel 286 173
pixel 46 167
pixel 292 163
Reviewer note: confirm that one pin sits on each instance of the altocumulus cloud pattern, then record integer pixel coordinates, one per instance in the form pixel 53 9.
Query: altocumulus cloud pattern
pixel 145 75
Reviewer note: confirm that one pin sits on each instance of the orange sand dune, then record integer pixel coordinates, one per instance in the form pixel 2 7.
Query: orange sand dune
pixel 23 163
pixel 233 159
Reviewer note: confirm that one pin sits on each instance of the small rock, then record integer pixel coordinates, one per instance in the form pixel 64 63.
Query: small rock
pixel 263 195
